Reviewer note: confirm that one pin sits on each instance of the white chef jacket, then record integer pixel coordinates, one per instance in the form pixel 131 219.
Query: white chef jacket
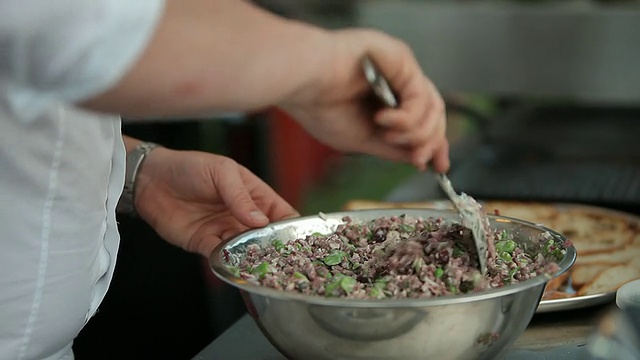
pixel 61 168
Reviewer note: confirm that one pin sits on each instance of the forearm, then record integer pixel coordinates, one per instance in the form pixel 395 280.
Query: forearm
pixel 217 55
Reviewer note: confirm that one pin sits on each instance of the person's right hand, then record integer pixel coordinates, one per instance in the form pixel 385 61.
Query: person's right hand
pixel 337 108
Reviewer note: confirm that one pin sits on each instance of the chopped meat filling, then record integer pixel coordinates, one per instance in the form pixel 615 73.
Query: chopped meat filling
pixel 395 257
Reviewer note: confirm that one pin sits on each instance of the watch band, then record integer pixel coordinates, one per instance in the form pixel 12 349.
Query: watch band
pixel 135 158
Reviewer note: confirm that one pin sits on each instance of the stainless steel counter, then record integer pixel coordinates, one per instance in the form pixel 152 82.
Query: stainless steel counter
pixel 559 335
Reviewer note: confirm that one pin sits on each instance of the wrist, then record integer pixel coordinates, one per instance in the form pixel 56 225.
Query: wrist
pixel 134 162
pixel 308 73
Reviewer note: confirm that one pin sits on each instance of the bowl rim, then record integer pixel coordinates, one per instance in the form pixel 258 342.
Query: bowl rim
pixel 221 271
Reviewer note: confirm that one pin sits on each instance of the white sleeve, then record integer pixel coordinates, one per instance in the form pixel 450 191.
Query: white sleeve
pixel 69 50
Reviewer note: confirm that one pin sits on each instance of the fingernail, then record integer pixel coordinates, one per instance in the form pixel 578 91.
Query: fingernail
pixel 258 216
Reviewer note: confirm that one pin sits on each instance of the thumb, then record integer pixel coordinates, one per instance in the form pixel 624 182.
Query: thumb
pixel 235 194
pixel 396 61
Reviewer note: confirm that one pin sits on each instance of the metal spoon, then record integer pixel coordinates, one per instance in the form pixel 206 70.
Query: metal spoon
pixel 472 217
pixel 470 211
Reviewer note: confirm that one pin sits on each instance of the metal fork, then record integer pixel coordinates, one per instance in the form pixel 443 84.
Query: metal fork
pixel 468 208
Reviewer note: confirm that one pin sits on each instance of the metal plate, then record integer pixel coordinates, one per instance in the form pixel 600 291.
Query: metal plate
pixel 573 303
pixel 579 302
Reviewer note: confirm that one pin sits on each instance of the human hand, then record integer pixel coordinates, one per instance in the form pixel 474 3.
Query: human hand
pixel 337 109
pixel 195 199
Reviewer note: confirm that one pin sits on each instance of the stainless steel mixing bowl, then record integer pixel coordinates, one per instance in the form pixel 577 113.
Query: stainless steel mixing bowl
pixel 472 326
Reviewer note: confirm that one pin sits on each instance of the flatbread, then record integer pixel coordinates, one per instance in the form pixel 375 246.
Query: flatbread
pixel 584 274
pixel 594 232
pixel 539 213
pixel 610 280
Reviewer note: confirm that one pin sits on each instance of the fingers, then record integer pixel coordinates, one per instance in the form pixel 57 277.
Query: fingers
pixel 422 111
pixel 234 193
pixel 251 201
pixel 427 140
pixel 207 243
pixel 424 130
pixel 267 199
pixel 209 236
pixel 397 63
pixel 415 93
pixel 438 155
pixel 206 239
pixel 419 122
pixel 435 147
pixel 243 193
pixel 441 160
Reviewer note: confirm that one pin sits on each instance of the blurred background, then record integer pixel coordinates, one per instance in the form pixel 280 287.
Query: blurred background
pixel 543 104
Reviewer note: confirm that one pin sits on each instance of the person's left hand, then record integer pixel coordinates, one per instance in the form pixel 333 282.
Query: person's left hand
pixel 195 199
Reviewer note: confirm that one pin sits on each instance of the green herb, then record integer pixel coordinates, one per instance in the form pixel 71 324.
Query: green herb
pixel 513 271
pixel 403 216
pixel 317 234
pixel 277 244
pixel 453 289
pixel 317 263
pixel 552 249
pixel 406 228
pixel 347 283
pixel 380 284
pixel 261 270
pixel 377 293
pixel 369 235
pixel 438 273
pixel 457 252
pixel 334 258
pixel 506 257
pixel 298 246
pixel 234 270
pixel 332 286
pixel 504 235
pixel 506 246
pixel 418 263
pixel 355 266
pixel 299 275
pixel 549 244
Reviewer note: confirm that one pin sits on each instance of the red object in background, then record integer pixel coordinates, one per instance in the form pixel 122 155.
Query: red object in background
pixel 296 159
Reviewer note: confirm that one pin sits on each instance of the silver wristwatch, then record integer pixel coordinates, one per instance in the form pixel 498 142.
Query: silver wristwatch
pixel 135 158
